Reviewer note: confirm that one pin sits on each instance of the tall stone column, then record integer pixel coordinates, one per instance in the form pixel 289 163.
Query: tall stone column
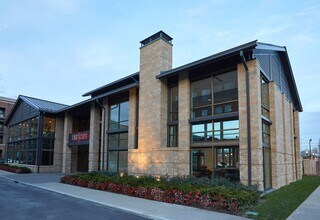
pixel 94 137
pixel 133 102
pixel 106 128
pixel 66 157
pixel 255 121
pixel 297 143
pixel 58 144
pixel 184 126
pixel 277 137
pixel 153 156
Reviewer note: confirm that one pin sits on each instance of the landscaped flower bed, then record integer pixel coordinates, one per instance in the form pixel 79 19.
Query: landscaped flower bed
pixel 14 169
pixel 216 194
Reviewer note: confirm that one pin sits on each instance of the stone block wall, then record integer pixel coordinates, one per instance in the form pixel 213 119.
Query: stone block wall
pixel 255 121
pixel 285 147
pixel 309 167
pixel 153 155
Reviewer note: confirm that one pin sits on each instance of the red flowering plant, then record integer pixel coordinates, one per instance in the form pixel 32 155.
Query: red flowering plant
pixel 206 193
pixel 15 169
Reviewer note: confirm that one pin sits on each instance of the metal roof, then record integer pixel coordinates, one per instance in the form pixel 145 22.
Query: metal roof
pixel 43 105
pixel 208 59
pixel 112 92
pixel 133 76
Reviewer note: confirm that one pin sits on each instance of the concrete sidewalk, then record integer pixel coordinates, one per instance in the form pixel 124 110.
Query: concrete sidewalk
pixel 309 209
pixel 146 208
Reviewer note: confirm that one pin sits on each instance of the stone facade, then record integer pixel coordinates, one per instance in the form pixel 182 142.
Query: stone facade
pixel 94 139
pixel 255 121
pixel 153 156
pixel 148 151
pixel 6 104
pixel 285 146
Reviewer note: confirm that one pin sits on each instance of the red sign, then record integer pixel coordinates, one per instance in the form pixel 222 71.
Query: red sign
pixel 79 137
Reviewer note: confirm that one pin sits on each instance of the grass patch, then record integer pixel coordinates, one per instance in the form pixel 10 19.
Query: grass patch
pixel 281 203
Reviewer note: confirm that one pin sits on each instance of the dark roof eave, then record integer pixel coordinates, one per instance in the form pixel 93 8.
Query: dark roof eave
pixel 211 58
pixel 109 84
pixel 300 109
pixel 112 92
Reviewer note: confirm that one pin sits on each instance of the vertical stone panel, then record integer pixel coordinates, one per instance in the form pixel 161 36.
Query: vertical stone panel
pixel 94 137
pixel 106 128
pixel 297 143
pixel 132 118
pixel 66 157
pixel 256 128
pixel 58 144
pixel 184 126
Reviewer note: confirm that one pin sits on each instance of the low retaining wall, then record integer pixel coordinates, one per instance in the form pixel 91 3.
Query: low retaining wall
pixel 309 167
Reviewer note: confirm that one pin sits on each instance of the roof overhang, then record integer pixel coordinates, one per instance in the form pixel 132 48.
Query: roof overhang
pixel 209 59
pixel 109 93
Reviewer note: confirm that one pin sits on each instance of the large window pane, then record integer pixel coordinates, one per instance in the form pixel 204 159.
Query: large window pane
pixel 264 98
pixel 49 127
pixel 173 136
pixel 225 87
pixel 112 161
pixel 202 162
pixel 123 161
pixel 201 99
pixel 124 111
pixel 201 132
pixel 173 103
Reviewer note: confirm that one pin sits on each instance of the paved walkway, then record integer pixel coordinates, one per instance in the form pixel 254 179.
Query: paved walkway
pixel 309 209
pixel 146 208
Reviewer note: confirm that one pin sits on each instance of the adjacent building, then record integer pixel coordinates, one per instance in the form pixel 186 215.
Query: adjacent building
pixel 234 114
pixel 5 108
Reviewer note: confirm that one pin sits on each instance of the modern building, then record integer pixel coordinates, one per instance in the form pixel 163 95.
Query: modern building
pixel 5 107
pixel 233 114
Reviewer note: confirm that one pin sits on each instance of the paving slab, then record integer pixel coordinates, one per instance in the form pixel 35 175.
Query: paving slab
pixel 309 209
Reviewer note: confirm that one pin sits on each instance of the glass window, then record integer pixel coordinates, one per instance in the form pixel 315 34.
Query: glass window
pixel 265 134
pixel 2 112
pixel 119 116
pixel 113 161
pixel 118 137
pixel 265 98
pixel 49 125
pixel 173 103
pixel 173 135
pixel 202 162
pixel 226 130
pixel 1 127
pixel 123 161
pixel 223 100
pixel 118 161
pixel 201 99
pixel 227 157
pixel 201 132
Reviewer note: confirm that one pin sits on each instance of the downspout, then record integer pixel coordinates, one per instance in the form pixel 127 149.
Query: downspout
pixel 39 142
pixel 103 122
pixel 243 59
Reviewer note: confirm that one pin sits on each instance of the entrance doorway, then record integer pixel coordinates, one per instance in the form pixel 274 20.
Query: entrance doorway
pixel 83 158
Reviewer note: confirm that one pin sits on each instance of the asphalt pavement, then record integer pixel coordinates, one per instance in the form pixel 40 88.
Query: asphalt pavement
pixel 141 207
pixel 17 204
pixel 19 201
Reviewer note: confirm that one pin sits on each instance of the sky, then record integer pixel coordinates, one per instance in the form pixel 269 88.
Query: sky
pixel 59 49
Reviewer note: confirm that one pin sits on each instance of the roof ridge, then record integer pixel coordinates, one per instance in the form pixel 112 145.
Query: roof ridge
pixel 42 100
